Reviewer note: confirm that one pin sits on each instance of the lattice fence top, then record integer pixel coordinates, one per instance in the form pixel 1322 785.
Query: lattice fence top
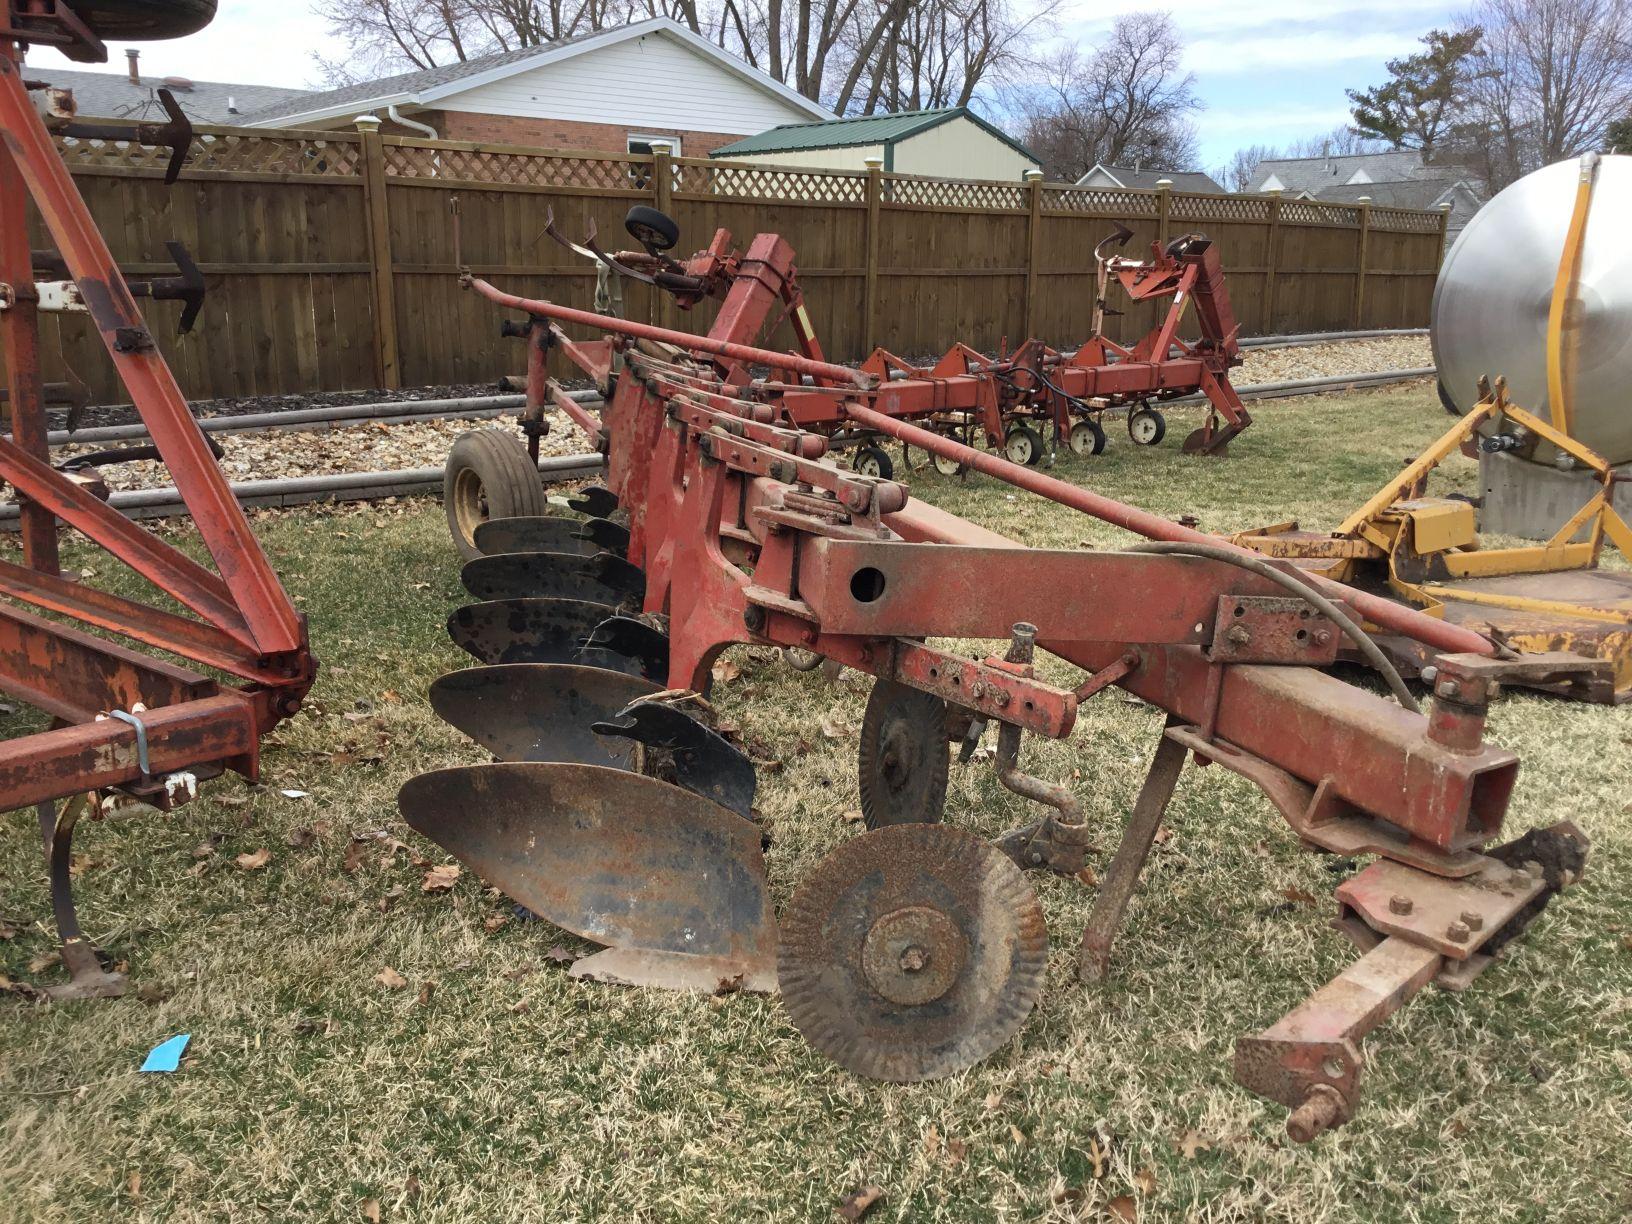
pixel 1308 212
pixel 517 169
pixel 1218 208
pixel 1110 202
pixel 954 193
pixel 1405 221
pixel 768 183
pixel 231 153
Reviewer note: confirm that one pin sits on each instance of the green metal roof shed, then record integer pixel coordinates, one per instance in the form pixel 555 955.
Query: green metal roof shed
pixel 952 141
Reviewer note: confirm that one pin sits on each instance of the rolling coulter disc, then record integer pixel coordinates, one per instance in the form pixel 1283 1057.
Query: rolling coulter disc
pixel 903 758
pixel 912 952
pixel 600 579
pixel 540 711
pixel 534 534
pixel 673 885
pixel 527 630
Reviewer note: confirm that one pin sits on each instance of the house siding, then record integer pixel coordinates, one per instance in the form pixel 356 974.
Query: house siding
pixel 648 84
pixel 960 149
pixel 546 133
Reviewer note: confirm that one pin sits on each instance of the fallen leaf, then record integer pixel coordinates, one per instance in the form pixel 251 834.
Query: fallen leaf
pixel 301 837
pixel 1626 942
pixel 390 979
pixel 932 1142
pixel 255 861
pixel 44 961
pixel 832 726
pixel 199 868
pixel 1018 1135
pixel 410 1188
pixel 1192 1142
pixel 1123 1208
pixel 371 1210
pixel 558 954
pixel 956 1151
pixel 1097 1153
pixel 79 864
pixel 390 695
pixel 853 816
pixel 7 931
pixel 724 671
pixel 1087 876
pixel 204 849
pixel 1300 896
pixel 392 896
pixel 859 1202
pixel 426 989
pixel 993 1100
pixel 518 1008
pixel 354 858
pixel 133 1185
pixel 494 922
pixel 1144 1181
pixel 440 878
pixel 1163 835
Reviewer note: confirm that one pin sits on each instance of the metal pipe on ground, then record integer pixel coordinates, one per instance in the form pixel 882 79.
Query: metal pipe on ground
pixel 1374 608
pixel 343 486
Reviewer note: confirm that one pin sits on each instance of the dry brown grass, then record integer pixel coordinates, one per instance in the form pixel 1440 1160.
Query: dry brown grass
pixel 512 1092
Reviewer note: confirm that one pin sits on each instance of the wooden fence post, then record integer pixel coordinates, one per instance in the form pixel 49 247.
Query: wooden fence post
pixel 1164 205
pixel 1034 237
pixel 869 297
pixel 1360 269
pixel 387 365
pixel 662 199
pixel 1444 229
pixel 1272 257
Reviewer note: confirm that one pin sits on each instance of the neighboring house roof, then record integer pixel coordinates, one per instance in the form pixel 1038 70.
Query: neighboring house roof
pixel 1407 193
pixel 430 86
pixel 1296 175
pixel 113 95
pixel 860 130
pixel 1140 178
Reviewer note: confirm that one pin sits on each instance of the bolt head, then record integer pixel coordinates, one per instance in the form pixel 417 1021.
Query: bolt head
pixel 1473 920
pixel 1399 903
pixel 1458 932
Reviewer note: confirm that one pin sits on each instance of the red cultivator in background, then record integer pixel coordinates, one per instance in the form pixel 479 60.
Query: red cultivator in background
pixel 1004 401
pixel 917 949
pixel 123 722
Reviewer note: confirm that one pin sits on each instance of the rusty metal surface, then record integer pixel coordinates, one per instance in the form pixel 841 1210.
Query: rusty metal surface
pixel 526 630
pixel 535 533
pixel 600 578
pixel 540 711
pixel 1272 629
pixel 912 952
pixel 614 857
pixel 903 756
pixel 680 749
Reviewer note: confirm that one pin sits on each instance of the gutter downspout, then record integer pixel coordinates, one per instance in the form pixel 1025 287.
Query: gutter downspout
pixel 414 124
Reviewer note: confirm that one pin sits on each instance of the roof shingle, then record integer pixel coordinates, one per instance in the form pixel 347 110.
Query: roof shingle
pixel 112 95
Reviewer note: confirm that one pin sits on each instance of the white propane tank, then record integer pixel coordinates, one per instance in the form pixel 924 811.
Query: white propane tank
pixel 1494 291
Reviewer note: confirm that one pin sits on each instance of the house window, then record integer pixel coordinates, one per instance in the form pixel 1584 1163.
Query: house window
pixel 642 146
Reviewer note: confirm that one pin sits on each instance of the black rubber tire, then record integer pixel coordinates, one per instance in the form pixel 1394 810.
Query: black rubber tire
pixel 143 20
pixel 489 475
pixel 876 458
pixel 1032 437
pixel 652 228
pixel 1159 433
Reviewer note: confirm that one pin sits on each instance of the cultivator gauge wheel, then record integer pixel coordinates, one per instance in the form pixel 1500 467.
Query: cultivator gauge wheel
pixel 947 466
pixel 903 757
pixel 541 711
pixel 1147 426
pixel 534 534
pixel 1023 445
pixel 912 952
pixel 874 461
pixel 1086 438
pixel 601 578
pixel 671 884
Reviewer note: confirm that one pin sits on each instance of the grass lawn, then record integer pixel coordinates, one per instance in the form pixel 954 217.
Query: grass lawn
pixel 492 1087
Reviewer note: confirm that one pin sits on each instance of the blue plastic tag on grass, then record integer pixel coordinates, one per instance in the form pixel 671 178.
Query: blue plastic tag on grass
pixel 166 1056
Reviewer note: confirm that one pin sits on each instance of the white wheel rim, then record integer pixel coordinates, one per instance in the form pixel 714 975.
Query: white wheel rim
pixel 945 466
pixel 1019 448
pixel 1144 428
pixel 1081 438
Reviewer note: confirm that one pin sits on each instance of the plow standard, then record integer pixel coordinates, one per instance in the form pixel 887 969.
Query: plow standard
pixel 917 948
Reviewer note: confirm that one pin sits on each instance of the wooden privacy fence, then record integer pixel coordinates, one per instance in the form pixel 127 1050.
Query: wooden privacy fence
pixel 331 259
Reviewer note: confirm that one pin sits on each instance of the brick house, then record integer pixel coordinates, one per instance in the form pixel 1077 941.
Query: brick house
pixel 615 91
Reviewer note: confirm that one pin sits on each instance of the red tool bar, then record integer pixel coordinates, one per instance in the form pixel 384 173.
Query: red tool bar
pixel 1374 608
pixel 680 339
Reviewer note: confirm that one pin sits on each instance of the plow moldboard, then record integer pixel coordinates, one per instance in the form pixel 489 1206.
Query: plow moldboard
pixel 534 533
pixel 614 857
pixel 601 578
pixel 527 630
pixel 540 711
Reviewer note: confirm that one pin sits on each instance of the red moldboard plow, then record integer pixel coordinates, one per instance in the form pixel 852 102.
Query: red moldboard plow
pixel 123 724
pixel 916 948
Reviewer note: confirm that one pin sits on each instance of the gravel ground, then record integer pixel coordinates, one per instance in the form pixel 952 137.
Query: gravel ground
pixel 378 447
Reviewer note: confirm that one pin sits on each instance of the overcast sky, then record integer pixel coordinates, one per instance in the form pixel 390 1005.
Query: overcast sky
pixel 1269 71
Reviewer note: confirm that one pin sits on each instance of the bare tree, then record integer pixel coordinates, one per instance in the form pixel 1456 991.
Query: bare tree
pixel 1555 74
pixel 1128 101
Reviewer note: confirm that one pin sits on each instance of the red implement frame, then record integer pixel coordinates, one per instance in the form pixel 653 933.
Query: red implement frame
pixel 121 721
pixel 748 536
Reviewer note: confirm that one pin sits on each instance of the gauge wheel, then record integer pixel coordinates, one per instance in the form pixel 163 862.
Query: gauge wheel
pixel 652 229
pixel 873 461
pixel 489 475
pixel 1023 445
pixel 1086 438
pixel 947 466
pixel 1146 426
